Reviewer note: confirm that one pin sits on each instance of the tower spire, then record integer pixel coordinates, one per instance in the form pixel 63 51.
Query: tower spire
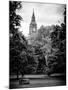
pixel 33 11
pixel 33 25
pixel 33 16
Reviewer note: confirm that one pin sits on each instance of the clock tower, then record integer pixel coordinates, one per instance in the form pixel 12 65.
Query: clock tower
pixel 33 25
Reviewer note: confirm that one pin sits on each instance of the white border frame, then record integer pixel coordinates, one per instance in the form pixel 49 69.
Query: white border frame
pixel 4 44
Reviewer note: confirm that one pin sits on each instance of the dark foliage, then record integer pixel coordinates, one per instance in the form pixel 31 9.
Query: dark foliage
pixel 58 37
pixel 18 43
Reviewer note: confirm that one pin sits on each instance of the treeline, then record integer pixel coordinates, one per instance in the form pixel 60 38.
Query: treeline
pixel 46 55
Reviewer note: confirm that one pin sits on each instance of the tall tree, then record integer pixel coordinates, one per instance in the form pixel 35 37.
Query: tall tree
pixel 58 37
pixel 18 43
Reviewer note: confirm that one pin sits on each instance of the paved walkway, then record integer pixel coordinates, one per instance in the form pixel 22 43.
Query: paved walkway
pixel 39 82
pixel 36 76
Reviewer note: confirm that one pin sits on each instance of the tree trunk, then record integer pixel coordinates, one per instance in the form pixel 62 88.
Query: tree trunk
pixel 46 57
pixel 22 75
pixel 17 75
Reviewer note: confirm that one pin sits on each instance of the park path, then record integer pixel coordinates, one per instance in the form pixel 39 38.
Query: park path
pixel 39 81
pixel 35 76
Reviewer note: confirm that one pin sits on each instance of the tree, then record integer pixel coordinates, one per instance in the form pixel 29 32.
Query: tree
pixel 14 19
pixel 41 60
pixel 32 60
pixel 58 38
pixel 44 38
pixel 43 43
pixel 18 43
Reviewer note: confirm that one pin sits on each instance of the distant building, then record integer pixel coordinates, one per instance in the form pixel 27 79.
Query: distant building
pixel 32 29
pixel 33 25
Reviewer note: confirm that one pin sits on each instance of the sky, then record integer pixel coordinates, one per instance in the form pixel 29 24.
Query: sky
pixel 45 14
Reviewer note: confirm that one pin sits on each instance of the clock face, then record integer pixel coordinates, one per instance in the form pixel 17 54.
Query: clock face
pixel 33 29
